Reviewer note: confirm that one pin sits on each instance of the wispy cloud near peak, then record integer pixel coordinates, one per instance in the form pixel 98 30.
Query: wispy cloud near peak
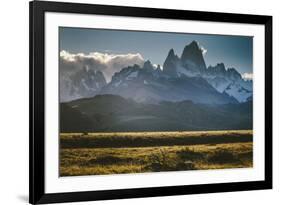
pixel 107 63
pixel 247 76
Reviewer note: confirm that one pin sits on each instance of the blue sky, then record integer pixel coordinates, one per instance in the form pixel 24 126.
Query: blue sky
pixel 233 51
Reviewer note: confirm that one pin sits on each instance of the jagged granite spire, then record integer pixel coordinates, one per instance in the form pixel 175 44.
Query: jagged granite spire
pixel 220 71
pixel 148 66
pixel 158 68
pixel 233 74
pixel 217 70
pixel 170 64
pixel 192 56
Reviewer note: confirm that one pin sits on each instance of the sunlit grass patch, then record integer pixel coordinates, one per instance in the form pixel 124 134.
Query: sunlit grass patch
pixel 149 139
pixel 101 161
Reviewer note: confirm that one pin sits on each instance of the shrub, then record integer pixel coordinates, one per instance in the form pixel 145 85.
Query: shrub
pixel 108 160
pixel 160 161
pixel 189 154
pixel 222 157
pixel 186 165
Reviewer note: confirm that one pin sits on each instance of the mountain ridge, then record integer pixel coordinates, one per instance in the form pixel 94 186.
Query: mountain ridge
pixel 112 113
pixel 192 64
pixel 179 80
pixel 152 86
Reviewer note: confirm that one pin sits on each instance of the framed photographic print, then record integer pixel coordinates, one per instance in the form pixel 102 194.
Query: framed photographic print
pixel 140 102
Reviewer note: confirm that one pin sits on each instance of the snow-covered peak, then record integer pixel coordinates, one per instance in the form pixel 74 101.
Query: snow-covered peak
pixel 233 74
pixel 216 71
pixel 238 91
pixel 83 83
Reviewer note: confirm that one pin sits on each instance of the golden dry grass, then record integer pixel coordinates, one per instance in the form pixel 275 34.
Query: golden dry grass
pixel 109 160
pixel 149 139
pixel 158 134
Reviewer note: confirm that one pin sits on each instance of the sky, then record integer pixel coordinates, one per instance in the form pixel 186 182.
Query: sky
pixel 233 51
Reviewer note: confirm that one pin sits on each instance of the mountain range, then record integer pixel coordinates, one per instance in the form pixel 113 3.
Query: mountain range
pixel 191 64
pixel 183 95
pixel 83 83
pixel 182 78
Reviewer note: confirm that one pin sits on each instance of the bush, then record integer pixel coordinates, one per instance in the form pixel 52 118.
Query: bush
pixel 186 165
pixel 108 160
pixel 222 157
pixel 189 154
pixel 159 161
pixel 162 161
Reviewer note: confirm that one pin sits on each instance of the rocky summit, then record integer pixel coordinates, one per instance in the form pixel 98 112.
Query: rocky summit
pixel 182 78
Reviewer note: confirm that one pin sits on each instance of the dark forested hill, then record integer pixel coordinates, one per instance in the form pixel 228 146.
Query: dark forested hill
pixel 111 113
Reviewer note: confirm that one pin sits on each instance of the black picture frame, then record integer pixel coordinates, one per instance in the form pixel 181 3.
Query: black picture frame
pixel 37 9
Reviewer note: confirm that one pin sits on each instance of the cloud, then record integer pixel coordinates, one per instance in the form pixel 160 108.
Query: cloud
pixel 155 66
pixel 107 63
pixel 203 50
pixel 247 76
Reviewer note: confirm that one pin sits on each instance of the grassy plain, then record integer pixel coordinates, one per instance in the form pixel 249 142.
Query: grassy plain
pixel 115 153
